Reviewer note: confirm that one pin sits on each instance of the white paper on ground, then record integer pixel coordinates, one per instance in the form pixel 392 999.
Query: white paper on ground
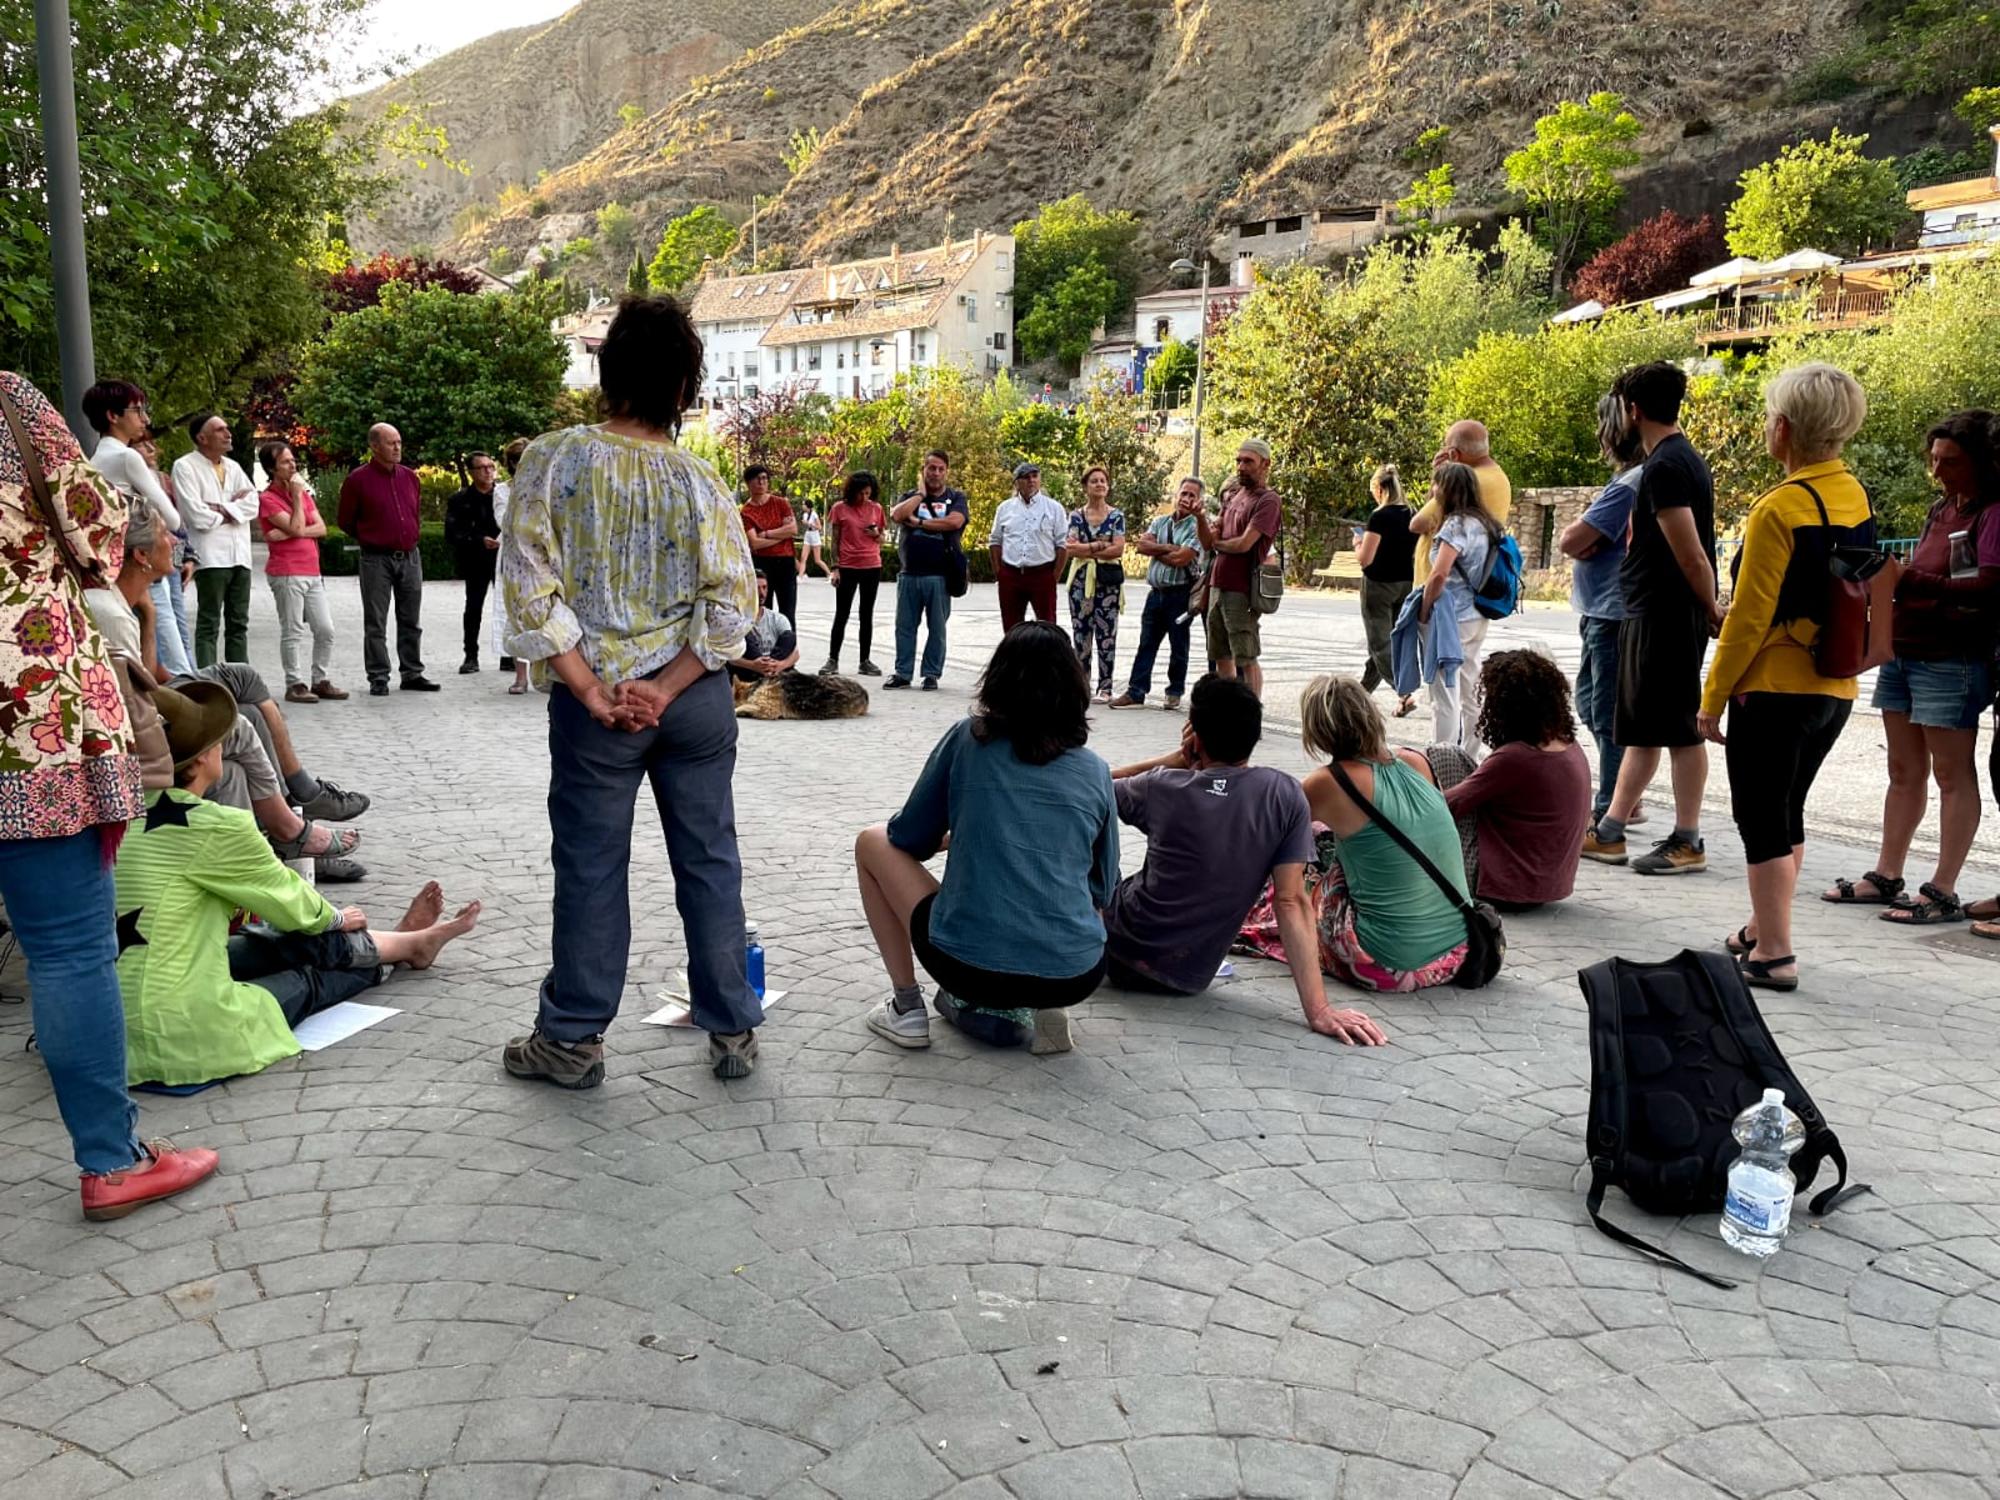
pixel 339 1022
pixel 1227 971
pixel 675 1010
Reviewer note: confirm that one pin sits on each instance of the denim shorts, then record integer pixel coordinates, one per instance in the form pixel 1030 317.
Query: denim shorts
pixel 1935 694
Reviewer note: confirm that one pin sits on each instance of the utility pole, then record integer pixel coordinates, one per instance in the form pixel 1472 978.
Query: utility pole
pixel 1184 266
pixel 64 181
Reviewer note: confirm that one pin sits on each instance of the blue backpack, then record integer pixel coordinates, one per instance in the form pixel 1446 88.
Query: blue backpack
pixel 1500 595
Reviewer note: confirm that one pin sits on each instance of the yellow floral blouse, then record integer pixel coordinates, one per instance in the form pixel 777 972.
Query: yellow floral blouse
pixel 65 747
pixel 626 549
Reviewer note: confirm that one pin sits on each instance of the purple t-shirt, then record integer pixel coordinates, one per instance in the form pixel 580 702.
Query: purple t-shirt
pixel 1212 839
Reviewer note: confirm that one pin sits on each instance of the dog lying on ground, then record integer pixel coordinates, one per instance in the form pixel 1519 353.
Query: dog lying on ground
pixel 800 695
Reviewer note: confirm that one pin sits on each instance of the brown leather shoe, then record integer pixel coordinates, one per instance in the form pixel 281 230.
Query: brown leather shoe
pixel 298 692
pixel 164 1170
pixel 329 691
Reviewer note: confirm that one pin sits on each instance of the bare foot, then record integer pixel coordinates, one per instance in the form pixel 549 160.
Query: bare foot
pixel 426 945
pixel 425 910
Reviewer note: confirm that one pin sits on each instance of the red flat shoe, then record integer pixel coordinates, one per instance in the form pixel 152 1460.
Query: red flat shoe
pixel 165 1170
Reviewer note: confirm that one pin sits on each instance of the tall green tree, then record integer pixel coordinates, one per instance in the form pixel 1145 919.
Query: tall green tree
pixel 696 235
pixel 1059 324
pixel 1567 178
pixel 1820 194
pixel 1064 237
pixel 453 373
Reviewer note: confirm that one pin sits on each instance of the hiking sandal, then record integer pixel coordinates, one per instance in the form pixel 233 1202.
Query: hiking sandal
pixel 1888 890
pixel 1936 907
pixel 1740 943
pixel 1757 973
pixel 345 841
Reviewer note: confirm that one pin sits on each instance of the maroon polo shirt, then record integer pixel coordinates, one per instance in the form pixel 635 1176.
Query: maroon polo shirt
pixel 378 506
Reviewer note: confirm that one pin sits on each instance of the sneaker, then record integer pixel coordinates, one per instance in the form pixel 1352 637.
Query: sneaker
pixel 1126 700
pixel 298 692
pixel 907 1028
pixel 577 1065
pixel 328 691
pixel 164 1170
pixel 733 1054
pixel 1051 1032
pixel 831 669
pixel 868 669
pixel 337 869
pixel 1604 851
pixel 334 804
pixel 898 681
pixel 1172 705
pixel 930 684
pixel 465 668
pixel 378 689
pixel 980 1025
pixel 1672 855
pixel 420 685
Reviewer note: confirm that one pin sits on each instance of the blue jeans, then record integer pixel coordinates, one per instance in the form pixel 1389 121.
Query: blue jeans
pixel 1596 701
pixel 1161 620
pixel 593 785
pixel 59 898
pixel 929 598
pixel 176 659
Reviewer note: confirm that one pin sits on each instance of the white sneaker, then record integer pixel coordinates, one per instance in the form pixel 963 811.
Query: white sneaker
pixel 1051 1032
pixel 910 1028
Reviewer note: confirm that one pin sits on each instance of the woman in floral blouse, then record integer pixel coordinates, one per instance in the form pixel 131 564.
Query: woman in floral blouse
pixel 1096 553
pixel 68 787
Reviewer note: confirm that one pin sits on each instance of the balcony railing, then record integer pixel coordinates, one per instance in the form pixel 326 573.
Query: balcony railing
pixel 1842 308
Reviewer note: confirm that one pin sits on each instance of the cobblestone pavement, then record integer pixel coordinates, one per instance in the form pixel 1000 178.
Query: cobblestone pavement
pixel 1206 1254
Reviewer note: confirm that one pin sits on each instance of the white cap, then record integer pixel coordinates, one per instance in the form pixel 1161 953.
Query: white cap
pixel 1771 1096
pixel 750 931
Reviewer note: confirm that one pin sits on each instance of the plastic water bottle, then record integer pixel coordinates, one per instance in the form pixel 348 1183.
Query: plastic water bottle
pixel 753 958
pixel 1758 1209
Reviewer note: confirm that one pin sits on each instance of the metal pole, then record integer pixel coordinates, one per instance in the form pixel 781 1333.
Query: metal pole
pixel 65 190
pixel 1200 362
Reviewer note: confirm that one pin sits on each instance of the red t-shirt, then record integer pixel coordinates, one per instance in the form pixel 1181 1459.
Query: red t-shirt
pixel 1532 806
pixel 855 548
pixel 769 516
pixel 1954 629
pixel 1234 570
pixel 288 557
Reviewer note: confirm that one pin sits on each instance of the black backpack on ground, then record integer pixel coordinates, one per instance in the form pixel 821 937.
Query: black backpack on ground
pixel 1677 1051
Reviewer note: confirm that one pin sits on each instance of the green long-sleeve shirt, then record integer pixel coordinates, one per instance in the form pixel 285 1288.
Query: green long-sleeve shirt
pixel 183 873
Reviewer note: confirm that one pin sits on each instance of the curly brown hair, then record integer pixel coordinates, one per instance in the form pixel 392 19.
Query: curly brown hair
pixel 1525 698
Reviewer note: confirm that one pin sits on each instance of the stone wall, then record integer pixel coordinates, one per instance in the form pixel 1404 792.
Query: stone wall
pixel 1539 518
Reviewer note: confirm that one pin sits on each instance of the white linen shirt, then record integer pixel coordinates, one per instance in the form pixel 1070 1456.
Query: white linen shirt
pixel 218 515
pixel 1029 533
pixel 134 480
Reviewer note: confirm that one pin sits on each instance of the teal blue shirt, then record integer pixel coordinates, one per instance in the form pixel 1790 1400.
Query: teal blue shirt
pixel 1175 533
pixel 1034 854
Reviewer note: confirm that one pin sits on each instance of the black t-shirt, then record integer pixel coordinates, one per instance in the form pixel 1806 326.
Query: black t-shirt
pixel 926 554
pixel 1675 478
pixel 1395 554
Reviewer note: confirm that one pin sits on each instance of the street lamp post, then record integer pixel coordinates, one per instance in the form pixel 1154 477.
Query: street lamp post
pixel 65 192
pixel 1185 267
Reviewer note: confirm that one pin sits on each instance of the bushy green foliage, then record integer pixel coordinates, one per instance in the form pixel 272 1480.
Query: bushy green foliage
pixel 699 233
pixel 1170 373
pixel 617 227
pixel 1060 323
pixel 501 260
pixel 802 149
pixel 1424 204
pixel 580 248
pixel 629 115
pixel 1566 175
pixel 1823 195
pixel 1076 267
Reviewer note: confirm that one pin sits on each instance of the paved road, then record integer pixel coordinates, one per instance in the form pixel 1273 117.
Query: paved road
pixel 1207 1254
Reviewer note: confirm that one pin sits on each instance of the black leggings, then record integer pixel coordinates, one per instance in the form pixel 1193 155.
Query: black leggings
pixel 1777 743
pixel 782 573
pixel 987 988
pixel 864 581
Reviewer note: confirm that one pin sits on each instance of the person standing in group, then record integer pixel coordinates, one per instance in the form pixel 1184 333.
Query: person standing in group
pixel 1470 444
pixel 473 532
pixel 69 790
pixel 1595 542
pixel 511 457
pixel 1172 548
pixel 1467 541
pixel 380 505
pixel 1029 530
pixel 1668 583
pixel 1939 685
pixel 932 517
pixel 1250 523
pixel 1386 548
pixel 218 502
pixel 810 543
pixel 773 531
pixel 180 579
pixel 626 574
pixel 116 409
pixel 1096 553
pixel 856 522
pixel 292 532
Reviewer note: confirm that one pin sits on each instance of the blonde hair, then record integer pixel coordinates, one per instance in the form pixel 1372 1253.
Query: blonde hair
pixel 1824 405
pixel 1387 485
pixel 1338 720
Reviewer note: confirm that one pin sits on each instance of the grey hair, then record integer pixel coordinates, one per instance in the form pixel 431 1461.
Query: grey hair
pixel 142 530
pixel 1190 479
pixel 1617 434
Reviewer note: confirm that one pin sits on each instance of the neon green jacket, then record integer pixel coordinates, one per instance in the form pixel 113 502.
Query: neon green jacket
pixel 183 873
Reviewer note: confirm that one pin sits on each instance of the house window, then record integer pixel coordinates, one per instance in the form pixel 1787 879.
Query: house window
pixel 999 341
pixel 1003 261
pixel 1965 223
pixel 840 359
pixel 812 357
pixel 1250 231
pixel 972 307
pixel 1290 224
pixel 1163 329
pixel 875 354
pixel 917 350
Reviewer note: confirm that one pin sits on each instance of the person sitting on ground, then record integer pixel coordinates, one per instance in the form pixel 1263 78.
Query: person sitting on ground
pixel 199 1004
pixel 1033 829
pixel 771 647
pixel 1217 828
pixel 1383 924
pixel 1530 799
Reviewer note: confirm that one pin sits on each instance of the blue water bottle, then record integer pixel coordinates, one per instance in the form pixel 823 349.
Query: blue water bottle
pixel 753 958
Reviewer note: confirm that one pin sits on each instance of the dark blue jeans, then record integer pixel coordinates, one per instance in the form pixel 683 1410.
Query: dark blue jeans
pixel 927 599
pixel 306 972
pixel 59 898
pixel 1161 620
pixel 1596 701
pixel 593 786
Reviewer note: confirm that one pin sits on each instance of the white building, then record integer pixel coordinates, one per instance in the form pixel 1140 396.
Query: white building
pixel 849 330
pixel 582 335
pixel 1961 213
pixel 1159 316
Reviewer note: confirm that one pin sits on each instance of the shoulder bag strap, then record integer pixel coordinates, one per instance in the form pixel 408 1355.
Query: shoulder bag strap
pixel 1600 1178
pixel 1403 840
pixel 38 486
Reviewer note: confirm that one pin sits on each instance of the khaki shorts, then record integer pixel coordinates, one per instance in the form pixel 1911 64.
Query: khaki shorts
pixel 1233 624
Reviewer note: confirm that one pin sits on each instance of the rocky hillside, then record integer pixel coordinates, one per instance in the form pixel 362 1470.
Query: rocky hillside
pixel 1186 111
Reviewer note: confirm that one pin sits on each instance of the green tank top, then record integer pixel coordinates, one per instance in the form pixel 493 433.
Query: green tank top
pixel 1401 917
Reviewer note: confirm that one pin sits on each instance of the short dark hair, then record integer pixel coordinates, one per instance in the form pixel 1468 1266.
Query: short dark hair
pixel 1227 718
pixel 858 481
pixel 198 421
pixel 1977 434
pixel 267 455
pixel 1525 697
pixel 940 455
pixel 755 470
pixel 1033 694
pixel 473 458
pixel 1656 389
pixel 108 399
pixel 649 367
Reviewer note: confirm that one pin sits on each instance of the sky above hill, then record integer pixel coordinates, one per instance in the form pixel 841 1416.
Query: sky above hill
pixel 415 31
